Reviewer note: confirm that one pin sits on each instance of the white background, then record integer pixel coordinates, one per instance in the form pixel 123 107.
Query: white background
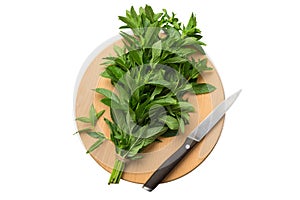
pixel 254 46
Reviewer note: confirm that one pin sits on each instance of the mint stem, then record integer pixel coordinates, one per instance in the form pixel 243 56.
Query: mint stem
pixel 117 172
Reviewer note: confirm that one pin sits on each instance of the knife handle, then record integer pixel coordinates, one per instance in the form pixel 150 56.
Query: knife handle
pixel 158 176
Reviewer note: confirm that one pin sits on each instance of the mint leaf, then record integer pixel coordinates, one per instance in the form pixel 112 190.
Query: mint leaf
pixel 83 119
pixel 92 113
pixel 203 88
pixel 95 145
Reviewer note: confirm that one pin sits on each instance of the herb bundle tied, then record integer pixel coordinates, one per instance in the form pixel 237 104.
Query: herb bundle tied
pixel 151 74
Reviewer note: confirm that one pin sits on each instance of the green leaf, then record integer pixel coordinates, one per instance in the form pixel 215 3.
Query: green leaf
pixel 141 10
pixel 192 22
pixel 129 39
pixel 163 102
pixel 127 21
pixel 119 118
pixel 124 27
pixel 110 124
pixel 150 132
pixel 149 13
pixel 156 52
pixel 115 71
pixel 203 88
pixel 96 135
pixel 149 96
pixel 156 91
pixel 171 122
pixel 108 74
pixel 175 60
pixel 184 88
pixel 151 35
pixel 119 51
pixel 185 52
pixel 202 65
pixel 83 130
pixel 108 94
pixel 170 133
pixel 106 101
pixel 105 74
pixel 121 62
pixel 199 48
pixel 137 56
pixel 186 106
pixel 186 117
pixel 135 148
pixel 83 119
pixel 164 53
pixel 157 16
pixel 145 23
pixel 99 114
pixel 181 125
pixel 136 157
pixel 110 58
pixel 133 13
pixel 166 101
pixel 93 114
pixel 95 145
pixel 161 82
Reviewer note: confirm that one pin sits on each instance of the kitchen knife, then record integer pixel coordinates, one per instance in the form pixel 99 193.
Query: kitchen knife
pixel 193 138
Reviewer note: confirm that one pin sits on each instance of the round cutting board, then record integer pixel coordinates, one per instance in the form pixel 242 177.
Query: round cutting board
pixel 140 170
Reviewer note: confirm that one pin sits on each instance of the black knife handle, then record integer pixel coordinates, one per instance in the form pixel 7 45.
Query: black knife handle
pixel 158 176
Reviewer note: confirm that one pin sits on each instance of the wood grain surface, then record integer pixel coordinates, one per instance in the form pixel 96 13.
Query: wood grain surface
pixel 139 171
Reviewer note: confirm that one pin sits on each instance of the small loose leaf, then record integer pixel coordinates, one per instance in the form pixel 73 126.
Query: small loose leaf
pixel 83 119
pixel 99 114
pixel 203 88
pixel 83 130
pixel 93 114
pixel 95 145
pixel 96 135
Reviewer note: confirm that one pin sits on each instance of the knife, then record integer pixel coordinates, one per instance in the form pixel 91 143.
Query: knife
pixel 193 138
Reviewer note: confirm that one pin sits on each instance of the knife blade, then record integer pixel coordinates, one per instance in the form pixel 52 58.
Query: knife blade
pixel 192 139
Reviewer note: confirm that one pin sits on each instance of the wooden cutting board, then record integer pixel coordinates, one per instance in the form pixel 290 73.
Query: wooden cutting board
pixel 139 171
